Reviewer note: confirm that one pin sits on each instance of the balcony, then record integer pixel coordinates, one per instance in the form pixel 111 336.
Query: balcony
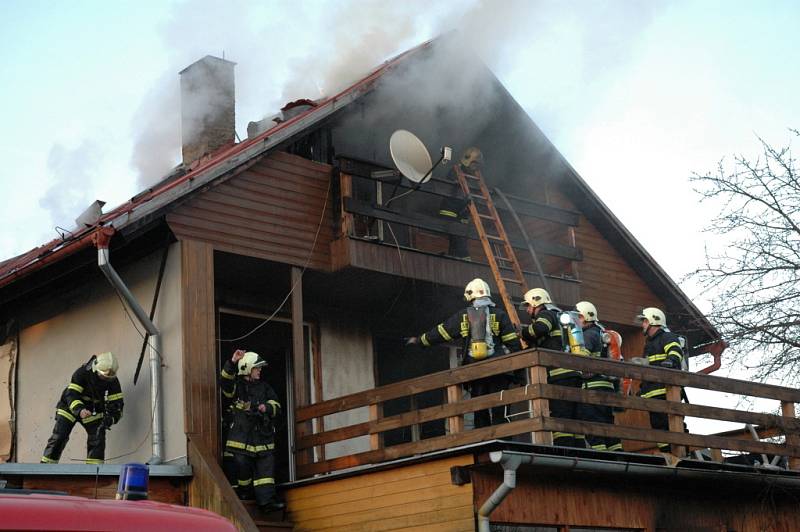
pixel 406 237
pixel 779 435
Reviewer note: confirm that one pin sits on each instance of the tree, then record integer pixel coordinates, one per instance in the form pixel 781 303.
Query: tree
pixel 753 270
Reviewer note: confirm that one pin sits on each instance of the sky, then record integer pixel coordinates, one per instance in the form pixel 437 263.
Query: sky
pixel 636 95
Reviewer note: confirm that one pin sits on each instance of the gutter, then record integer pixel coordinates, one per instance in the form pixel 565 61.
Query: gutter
pixel 511 460
pixel 157 421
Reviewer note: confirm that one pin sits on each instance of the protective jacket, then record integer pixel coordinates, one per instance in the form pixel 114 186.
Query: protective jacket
pixel 545 332
pixel 458 326
pixel 662 349
pixel 593 340
pixel 251 432
pixel 87 390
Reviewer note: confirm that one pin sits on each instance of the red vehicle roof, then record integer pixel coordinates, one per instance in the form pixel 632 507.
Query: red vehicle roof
pixel 61 513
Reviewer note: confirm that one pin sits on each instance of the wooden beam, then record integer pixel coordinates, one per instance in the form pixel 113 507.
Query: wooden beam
pixel 788 411
pixel 682 438
pixel 437 225
pixel 299 369
pixel 670 407
pixel 434 381
pixel 200 366
pixel 423 446
pixel 537 376
pixel 675 420
pixel 668 376
pixel 454 423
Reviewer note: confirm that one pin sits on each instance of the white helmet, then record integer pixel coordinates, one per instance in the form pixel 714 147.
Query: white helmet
pixel 249 361
pixel 586 310
pixel 537 296
pixel 105 365
pixel 653 315
pixel 476 288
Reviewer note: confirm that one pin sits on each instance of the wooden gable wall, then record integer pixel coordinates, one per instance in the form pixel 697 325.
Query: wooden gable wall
pixel 270 211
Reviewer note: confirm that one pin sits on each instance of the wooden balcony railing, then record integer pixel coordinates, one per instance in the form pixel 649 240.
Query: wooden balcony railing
pixel 537 422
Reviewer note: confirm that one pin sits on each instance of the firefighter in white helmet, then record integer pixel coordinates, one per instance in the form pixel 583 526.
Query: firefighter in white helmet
pixel 593 334
pixel 251 434
pixel 545 332
pixel 486 331
pixel 92 398
pixel 662 348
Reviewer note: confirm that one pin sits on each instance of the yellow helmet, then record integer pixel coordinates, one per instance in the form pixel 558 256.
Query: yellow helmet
pixel 249 361
pixel 587 310
pixel 471 156
pixel 476 288
pixel 653 315
pixel 537 296
pixel 105 365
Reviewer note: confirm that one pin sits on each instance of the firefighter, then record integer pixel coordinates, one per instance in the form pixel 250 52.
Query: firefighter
pixel 596 346
pixel 486 331
pixel 544 331
pixel 251 434
pixel 662 348
pixel 455 207
pixel 92 398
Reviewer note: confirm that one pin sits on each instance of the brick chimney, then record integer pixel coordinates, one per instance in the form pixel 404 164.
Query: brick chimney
pixel 208 120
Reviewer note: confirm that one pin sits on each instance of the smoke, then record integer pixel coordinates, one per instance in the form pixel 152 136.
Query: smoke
pixel 73 171
pixel 286 51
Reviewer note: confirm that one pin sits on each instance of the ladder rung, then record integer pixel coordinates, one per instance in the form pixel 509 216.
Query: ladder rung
pixel 486 216
pixel 470 176
pixel 517 281
pixel 498 238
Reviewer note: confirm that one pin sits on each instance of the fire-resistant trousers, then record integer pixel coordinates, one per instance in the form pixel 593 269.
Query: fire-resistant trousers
pixel 256 473
pixel 485 386
pixel 95 439
pixel 567 410
pixel 599 414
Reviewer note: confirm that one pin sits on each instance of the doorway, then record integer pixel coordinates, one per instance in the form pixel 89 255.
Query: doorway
pixel 273 341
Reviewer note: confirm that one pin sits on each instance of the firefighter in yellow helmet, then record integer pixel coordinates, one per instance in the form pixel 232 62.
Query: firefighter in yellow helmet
pixel 596 346
pixel 545 331
pixel 455 207
pixel 92 398
pixel 486 331
pixel 251 434
pixel 662 348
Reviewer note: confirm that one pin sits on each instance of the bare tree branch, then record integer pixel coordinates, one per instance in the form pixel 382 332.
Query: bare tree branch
pixel 755 275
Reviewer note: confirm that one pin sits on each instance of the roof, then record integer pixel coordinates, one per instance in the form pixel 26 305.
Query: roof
pixel 228 161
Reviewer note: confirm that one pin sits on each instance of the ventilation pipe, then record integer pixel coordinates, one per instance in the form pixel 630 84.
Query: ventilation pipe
pixel 102 240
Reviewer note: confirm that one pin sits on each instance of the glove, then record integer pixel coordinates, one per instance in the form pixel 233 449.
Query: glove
pixel 411 340
pixel 667 364
pixel 108 420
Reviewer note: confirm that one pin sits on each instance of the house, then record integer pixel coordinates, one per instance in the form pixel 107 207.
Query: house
pixel 286 244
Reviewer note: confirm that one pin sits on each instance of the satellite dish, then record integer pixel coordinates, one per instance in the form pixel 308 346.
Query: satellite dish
pixel 410 155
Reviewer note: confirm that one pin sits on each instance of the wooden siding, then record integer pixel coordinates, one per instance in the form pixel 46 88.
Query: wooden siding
pixel 199 348
pixel 590 500
pixel 270 211
pixel 413 497
pixel 607 280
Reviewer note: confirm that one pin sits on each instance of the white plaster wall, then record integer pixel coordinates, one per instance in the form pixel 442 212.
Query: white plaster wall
pixel 93 322
pixel 347 367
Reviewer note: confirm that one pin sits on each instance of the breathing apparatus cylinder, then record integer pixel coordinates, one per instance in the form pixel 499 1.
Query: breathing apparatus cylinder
pixel 480 340
pixel 571 333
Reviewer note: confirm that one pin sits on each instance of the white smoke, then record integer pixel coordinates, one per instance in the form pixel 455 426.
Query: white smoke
pixel 73 171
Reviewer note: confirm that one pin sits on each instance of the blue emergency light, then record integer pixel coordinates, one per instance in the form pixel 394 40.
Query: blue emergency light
pixel 133 480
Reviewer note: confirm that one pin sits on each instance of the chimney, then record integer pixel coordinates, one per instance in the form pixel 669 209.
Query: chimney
pixel 208 120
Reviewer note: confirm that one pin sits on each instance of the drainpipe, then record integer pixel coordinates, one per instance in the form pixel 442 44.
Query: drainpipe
pixel 102 240
pixel 510 463
pixel 715 350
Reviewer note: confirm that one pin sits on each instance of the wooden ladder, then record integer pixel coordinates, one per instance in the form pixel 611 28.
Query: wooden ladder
pixel 499 253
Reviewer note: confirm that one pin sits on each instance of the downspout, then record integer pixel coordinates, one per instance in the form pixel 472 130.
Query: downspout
pixel 715 350
pixel 510 463
pixel 102 240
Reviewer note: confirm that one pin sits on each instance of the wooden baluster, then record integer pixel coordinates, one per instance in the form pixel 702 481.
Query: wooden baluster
pixel 792 438
pixel 375 439
pixel 539 407
pixel 676 421
pixel 455 423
